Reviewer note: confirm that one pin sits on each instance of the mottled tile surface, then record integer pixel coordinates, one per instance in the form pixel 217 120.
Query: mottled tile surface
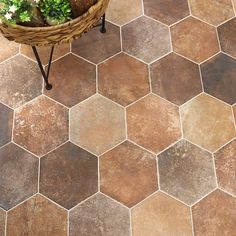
pixel 161 215
pixel 36 217
pixel 2 222
pixel 98 216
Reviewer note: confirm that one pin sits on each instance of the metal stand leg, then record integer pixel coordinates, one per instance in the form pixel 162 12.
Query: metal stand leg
pixel 103 28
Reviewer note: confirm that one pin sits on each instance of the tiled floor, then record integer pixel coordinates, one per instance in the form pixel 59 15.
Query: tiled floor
pixel 137 137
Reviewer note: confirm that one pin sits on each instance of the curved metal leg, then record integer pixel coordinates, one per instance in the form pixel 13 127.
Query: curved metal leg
pixel 103 28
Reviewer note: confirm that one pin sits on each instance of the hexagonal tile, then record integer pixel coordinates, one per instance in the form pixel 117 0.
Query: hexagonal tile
pixel 161 215
pixel 227 37
pixel 225 161
pixel 2 222
pixel 123 79
pixel 72 76
pixel 218 75
pixel 99 215
pixel 97 124
pixel 120 12
pixel 215 215
pixel 179 83
pixel 68 175
pixel 207 122
pixel 191 32
pixel 186 172
pixel 212 11
pixel 153 123
pixel 146 39
pixel 41 125
pixel 20 81
pixel 36 217
pixel 19 175
pixel 128 173
pixel 6 120
pixel 95 46
pixel 167 12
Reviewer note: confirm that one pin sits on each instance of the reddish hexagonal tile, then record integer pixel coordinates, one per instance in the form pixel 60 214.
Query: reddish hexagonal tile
pixel 153 123
pixel 2 222
pixel 41 125
pixel 128 173
pixel 191 32
pixel 186 172
pixel 146 39
pixel 20 81
pixel 19 175
pixel 227 37
pixel 6 120
pixel 207 122
pixel 215 215
pixel 179 83
pixel 225 161
pixel 36 217
pixel 161 215
pixel 212 11
pixel 99 215
pixel 68 175
pixel 97 124
pixel 167 12
pixel 73 80
pixel 123 79
pixel 95 46
pixel 218 75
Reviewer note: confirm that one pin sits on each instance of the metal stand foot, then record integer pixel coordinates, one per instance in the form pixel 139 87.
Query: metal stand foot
pixel 103 28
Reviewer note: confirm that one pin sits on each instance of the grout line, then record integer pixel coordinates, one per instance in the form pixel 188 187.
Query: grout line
pixel 181 124
pixel 130 21
pixel 10 58
pixel 5 146
pixel 179 21
pixel 142 6
pixel 149 78
pixel 191 219
pixel 99 176
pixel 225 191
pixel 39 172
pixel 82 58
pixel 225 53
pixel 13 125
pixel 68 223
pixel 201 78
pixel 233 7
pixel 5 233
pixel 158 173
pixel 97 78
pixel 107 59
pixel 130 222
pixel 214 168
pixel 126 125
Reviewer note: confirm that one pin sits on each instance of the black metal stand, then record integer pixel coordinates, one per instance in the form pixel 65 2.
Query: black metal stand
pixel 45 73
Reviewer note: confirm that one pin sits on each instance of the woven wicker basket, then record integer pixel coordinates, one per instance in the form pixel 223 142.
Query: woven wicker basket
pixel 51 35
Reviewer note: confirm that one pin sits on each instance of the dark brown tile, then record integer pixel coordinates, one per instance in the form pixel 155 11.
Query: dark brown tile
pixel 68 175
pixel 37 217
pixel 20 81
pixel 146 39
pixel 95 46
pixel 73 80
pixel 41 125
pixel 123 79
pixel 19 175
pixel 2 222
pixel 99 216
pixel 175 79
pixel 165 11
pixel 128 173
pixel 186 172
pixel 215 215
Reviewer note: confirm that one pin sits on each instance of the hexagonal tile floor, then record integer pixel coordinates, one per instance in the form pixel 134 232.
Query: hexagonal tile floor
pixel 137 137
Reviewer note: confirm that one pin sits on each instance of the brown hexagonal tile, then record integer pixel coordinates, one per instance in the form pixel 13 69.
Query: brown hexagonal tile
pixel 6 120
pixel 44 52
pixel 20 81
pixel 167 12
pixel 95 46
pixel 215 215
pixel 99 215
pixel 146 39
pixel 153 123
pixel 19 175
pixel 72 76
pixel 225 162
pixel 68 175
pixel 2 222
pixel 212 11
pixel 227 37
pixel 97 124
pixel 128 173
pixel 207 122
pixel 191 32
pixel 123 79
pixel 120 12
pixel 161 215
pixel 186 172
pixel 41 125
pixel 175 79
pixel 218 75
pixel 36 217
